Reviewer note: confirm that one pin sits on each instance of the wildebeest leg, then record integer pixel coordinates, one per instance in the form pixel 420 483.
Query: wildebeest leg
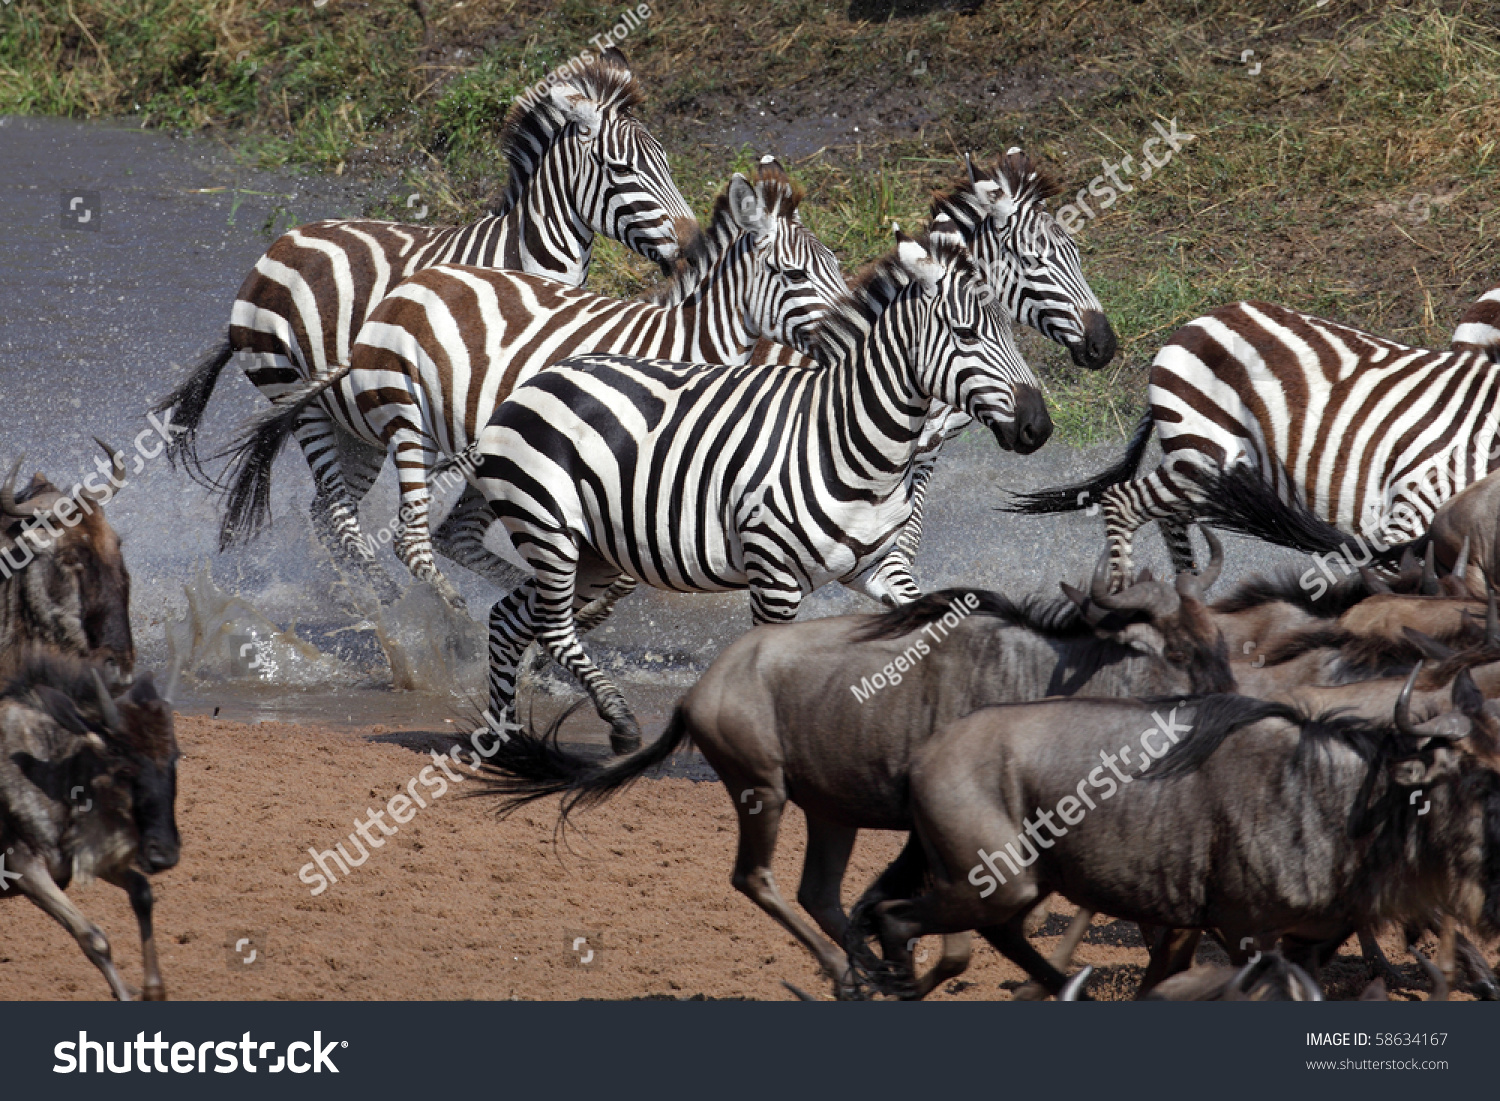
pixel 1010 941
pixel 760 819
pixel 1478 979
pixel 1172 950
pixel 823 866
pixel 1380 967
pixel 36 884
pixel 1061 956
pixel 1445 959
pixel 138 887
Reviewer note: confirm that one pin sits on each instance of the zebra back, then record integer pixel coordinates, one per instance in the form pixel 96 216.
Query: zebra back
pixel 1480 326
pixel 1366 432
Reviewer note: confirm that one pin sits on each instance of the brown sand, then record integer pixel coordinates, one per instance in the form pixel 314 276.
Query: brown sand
pixel 459 905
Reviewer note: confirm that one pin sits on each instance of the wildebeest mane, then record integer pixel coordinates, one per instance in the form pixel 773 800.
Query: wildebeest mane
pixel 1216 717
pixel 1284 586
pixel 1053 617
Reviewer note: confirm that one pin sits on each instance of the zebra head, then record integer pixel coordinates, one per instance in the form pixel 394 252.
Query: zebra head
pixel 795 278
pixel 1479 328
pixel 963 344
pixel 621 186
pixel 1028 261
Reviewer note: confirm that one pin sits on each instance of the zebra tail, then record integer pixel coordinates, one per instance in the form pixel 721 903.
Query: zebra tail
pixel 247 504
pixel 528 768
pixel 1076 498
pixel 1240 500
pixel 184 408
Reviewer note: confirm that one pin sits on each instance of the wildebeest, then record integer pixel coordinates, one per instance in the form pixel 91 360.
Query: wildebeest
pixel 827 714
pixel 63 581
pixel 88 785
pixel 1239 815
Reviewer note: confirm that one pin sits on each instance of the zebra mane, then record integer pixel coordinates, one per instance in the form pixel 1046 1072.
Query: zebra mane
pixel 873 289
pixel 1016 173
pixel 534 123
pixel 781 196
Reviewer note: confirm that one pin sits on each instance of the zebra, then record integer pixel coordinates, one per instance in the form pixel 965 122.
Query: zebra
pixel 446 346
pixel 1028 261
pixel 580 163
pixel 1369 435
pixel 698 478
pixel 1480 326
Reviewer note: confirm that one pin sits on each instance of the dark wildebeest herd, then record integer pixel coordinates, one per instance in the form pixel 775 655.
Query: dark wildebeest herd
pixel 1309 758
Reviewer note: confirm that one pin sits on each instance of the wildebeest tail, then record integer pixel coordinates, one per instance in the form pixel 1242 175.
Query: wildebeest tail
pixel 529 767
pixel 1076 498
pixel 247 502
pixel 184 408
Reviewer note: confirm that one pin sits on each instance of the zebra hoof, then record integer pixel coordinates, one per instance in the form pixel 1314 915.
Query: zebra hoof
pixel 625 739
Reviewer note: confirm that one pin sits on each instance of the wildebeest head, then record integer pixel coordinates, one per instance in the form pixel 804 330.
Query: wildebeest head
pixel 1178 624
pixel 132 760
pixel 71 587
pixel 1457 753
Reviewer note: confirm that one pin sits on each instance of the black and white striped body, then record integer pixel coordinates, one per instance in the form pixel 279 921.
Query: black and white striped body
pixel 448 345
pixel 1371 435
pixel 775 479
pixel 580 164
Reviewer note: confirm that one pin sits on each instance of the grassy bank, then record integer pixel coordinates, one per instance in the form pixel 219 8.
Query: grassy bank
pixel 1344 158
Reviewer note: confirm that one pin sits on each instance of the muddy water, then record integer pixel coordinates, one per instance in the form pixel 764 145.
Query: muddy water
pixel 96 318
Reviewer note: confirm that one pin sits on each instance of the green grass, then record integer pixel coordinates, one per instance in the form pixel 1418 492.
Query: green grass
pixel 1354 176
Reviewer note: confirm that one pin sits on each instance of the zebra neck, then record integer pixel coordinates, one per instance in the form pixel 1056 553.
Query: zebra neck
pixel 528 238
pixel 710 305
pixel 872 399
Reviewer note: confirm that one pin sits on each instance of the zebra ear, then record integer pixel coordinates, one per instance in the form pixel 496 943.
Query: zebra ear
pixel 917 261
pixel 746 206
pixel 576 106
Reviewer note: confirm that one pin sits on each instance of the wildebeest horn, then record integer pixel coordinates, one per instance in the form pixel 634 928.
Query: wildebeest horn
pixel 1403 703
pixel 1427 585
pixel 1429 646
pixel 1373 581
pixel 1146 595
pixel 1073 989
pixel 1408 559
pixel 116 473
pixel 8 503
pixel 1461 567
pixel 107 706
pixel 1215 566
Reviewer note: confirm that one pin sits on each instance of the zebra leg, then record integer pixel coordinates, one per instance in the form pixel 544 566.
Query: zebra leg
pixel 1164 494
pixel 593 614
pixel 888 581
pixel 413 545
pixel 460 538
pixel 1174 529
pixel 512 628
pixel 334 512
pixel 563 584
